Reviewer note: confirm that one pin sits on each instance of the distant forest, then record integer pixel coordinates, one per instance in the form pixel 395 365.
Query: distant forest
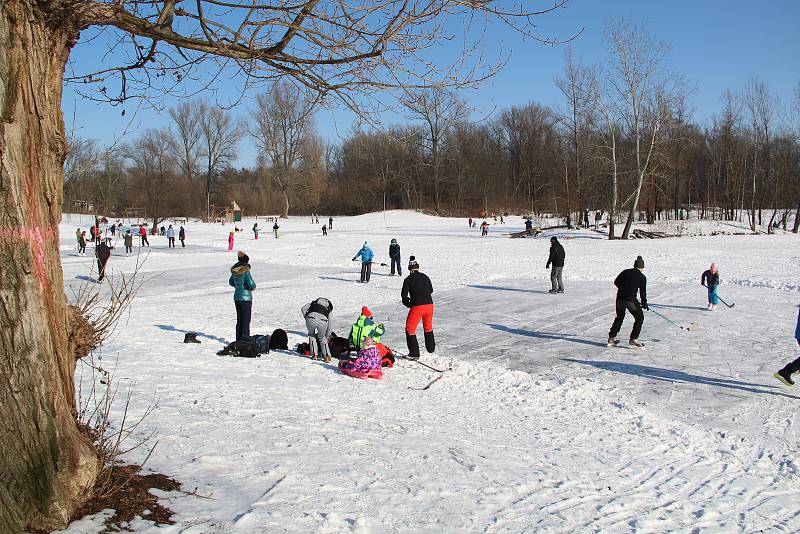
pixel 624 141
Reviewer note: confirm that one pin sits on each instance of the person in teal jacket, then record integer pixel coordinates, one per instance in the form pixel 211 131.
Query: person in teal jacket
pixel 785 374
pixel 243 282
pixel 366 261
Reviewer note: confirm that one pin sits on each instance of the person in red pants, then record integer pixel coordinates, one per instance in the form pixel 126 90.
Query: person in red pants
pixel 417 296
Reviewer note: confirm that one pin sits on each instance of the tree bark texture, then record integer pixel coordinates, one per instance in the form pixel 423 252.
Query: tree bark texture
pixel 46 463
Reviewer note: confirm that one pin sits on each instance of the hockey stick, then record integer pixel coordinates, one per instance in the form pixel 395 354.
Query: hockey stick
pixel 432 382
pixel 691 328
pixel 405 357
pixel 720 298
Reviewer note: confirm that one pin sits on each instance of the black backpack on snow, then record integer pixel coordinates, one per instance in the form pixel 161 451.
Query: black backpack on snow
pixel 279 340
pixel 240 349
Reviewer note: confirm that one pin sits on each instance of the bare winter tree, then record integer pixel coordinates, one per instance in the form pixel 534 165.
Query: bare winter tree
pixel 283 123
pixel 219 136
pixel 439 110
pixel 339 48
pixel 638 76
pixel 186 141
pixel 575 88
pixel 761 108
pixel 152 168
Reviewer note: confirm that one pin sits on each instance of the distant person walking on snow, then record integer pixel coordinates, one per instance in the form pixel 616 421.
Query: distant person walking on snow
pixel 128 240
pixel 528 227
pixel 242 281
pixel 366 255
pixel 469 222
pixel 81 237
pixel 182 237
pixel 394 255
pixel 598 216
pixel 586 218
pixel 630 282
pixel 275 229
pixel 417 296
pixel 103 252
pixel 171 237
pixel 324 230
pixel 318 323
pixel 785 374
pixel 556 258
pixel 710 279
pixel 330 223
pixel 143 236
pixel 484 229
pixel 255 230
pixel 230 240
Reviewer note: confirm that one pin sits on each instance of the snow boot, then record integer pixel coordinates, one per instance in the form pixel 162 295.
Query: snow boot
pixel 612 341
pixel 413 347
pixel 430 343
pixel 785 377
pixel 635 343
pixel 190 337
pixel 552 291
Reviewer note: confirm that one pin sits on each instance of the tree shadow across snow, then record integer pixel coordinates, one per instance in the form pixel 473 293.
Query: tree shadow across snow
pixel 499 288
pixel 544 335
pixel 171 328
pixel 671 375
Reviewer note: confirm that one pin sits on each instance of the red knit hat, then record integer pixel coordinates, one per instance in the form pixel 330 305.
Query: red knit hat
pixel 365 312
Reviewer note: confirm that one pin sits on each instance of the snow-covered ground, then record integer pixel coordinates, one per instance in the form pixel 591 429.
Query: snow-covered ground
pixel 538 427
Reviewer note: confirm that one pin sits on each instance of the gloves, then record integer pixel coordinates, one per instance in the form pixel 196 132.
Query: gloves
pixel 645 306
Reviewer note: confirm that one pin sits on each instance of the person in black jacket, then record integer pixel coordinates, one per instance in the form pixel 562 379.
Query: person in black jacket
pixel 417 296
pixel 629 283
pixel 394 255
pixel 103 252
pixel 557 259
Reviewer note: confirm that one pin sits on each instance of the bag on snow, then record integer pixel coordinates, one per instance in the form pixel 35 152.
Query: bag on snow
pixel 339 346
pixel 240 349
pixel 262 343
pixel 279 340
pixel 366 365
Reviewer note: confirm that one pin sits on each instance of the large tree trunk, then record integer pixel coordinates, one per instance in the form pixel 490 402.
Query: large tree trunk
pixel 46 463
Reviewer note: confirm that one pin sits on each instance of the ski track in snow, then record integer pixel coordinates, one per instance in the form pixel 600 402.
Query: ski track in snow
pixel 539 427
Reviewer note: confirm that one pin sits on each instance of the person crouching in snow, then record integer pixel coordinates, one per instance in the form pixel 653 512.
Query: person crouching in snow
pixel 785 374
pixel 710 279
pixel 243 282
pixel 417 295
pixel 366 255
pixel 363 328
pixel 318 322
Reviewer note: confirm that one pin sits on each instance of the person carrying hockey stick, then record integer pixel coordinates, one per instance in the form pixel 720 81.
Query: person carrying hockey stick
pixel 785 374
pixel 318 322
pixel 710 279
pixel 417 297
pixel 630 282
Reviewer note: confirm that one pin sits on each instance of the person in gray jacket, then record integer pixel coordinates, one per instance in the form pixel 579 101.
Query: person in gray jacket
pixel 317 314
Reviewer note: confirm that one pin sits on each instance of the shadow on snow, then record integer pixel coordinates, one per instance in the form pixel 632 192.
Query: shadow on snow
pixel 171 328
pixel 544 335
pixel 670 375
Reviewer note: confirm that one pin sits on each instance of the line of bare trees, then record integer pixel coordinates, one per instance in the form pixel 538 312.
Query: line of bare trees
pixel 623 142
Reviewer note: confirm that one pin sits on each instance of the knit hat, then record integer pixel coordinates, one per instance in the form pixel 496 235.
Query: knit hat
pixel 365 312
pixel 639 263
pixel 366 244
pixel 412 264
pixel 554 238
pixel 394 241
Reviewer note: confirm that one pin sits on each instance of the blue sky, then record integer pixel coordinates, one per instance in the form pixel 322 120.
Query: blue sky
pixel 716 44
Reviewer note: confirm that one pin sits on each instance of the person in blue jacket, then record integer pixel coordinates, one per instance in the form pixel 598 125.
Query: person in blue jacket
pixel 244 284
pixel 366 255
pixel 785 374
